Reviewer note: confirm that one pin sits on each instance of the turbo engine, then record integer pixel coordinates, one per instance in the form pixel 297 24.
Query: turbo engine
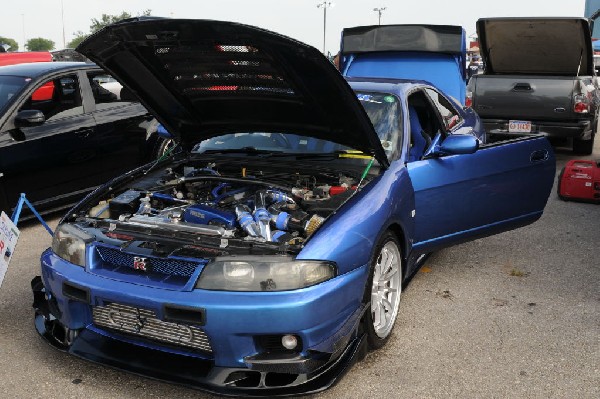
pixel 207 202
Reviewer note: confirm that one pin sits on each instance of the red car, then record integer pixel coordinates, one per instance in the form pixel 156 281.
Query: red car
pixel 23 57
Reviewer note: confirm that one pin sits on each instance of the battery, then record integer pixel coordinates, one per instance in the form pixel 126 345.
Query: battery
pixel 126 202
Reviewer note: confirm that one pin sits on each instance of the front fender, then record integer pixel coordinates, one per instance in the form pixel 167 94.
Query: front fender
pixel 349 235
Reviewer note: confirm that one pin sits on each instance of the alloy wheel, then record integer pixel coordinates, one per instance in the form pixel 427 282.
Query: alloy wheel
pixel 386 289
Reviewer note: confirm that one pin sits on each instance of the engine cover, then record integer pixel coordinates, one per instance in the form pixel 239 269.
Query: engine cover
pixel 203 214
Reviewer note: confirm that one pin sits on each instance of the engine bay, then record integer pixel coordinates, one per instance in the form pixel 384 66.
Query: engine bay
pixel 270 205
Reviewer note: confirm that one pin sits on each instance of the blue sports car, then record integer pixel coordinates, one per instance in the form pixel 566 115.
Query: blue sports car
pixel 269 249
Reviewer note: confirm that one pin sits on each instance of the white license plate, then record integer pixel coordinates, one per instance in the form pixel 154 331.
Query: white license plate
pixel 519 126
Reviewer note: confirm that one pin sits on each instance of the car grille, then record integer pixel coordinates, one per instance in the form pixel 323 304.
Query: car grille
pixel 169 266
pixel 143 323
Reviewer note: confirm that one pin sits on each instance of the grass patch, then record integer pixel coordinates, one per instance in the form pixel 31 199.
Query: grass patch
pixel 518 273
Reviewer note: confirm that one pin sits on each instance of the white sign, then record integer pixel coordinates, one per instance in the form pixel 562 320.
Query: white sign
pixel 9 233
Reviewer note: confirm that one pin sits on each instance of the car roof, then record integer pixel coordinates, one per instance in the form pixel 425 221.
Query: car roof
pixel 34 69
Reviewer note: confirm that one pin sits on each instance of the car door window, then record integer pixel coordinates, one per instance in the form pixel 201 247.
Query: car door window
pixel 423 125
pixel 57 98
pixel 107 91
pixel 450 116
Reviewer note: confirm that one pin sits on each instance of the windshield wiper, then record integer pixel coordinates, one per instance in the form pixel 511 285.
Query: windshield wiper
pixel 341 154
pixel 332 155
pixel 243 150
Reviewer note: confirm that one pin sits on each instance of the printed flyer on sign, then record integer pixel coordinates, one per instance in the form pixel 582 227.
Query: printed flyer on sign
pixel 9 233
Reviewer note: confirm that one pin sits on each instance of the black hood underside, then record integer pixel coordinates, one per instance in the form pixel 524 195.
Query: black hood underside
pixel 203 78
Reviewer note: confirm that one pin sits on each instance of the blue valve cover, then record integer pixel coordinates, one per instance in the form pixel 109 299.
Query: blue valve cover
pixel 202 214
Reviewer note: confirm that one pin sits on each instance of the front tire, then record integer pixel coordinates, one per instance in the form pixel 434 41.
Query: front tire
pixel 383 290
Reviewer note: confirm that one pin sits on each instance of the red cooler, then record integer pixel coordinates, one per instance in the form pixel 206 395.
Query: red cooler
pixel 580 181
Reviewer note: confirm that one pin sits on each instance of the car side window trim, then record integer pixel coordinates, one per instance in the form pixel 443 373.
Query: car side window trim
pixel 437 104
pixel 63 98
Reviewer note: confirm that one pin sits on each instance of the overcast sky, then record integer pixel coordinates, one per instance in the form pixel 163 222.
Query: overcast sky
pixel 300 19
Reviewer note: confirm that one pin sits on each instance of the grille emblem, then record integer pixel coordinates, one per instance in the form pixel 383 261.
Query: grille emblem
pixel 140 263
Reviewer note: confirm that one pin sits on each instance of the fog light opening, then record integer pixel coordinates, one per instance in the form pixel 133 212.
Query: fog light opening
pixel 289 342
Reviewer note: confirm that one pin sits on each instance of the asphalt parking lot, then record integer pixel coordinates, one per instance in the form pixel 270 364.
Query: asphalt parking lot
pixel 515 315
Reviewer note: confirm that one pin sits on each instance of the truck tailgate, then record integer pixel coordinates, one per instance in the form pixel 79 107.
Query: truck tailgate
pixel 523 97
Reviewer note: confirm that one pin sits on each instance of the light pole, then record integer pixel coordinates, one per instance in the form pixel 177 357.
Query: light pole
pixel 379 10
pixel 324 5
pixel 23 20
pixel 62 13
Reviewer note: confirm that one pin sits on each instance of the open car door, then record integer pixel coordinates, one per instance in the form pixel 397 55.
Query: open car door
pixel 499 187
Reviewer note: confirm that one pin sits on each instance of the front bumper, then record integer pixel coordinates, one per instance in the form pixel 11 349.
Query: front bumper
pixel 582 129
pixel 235 364
pixel 198 373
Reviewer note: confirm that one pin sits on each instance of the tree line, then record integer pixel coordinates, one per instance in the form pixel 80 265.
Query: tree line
pixel 42 44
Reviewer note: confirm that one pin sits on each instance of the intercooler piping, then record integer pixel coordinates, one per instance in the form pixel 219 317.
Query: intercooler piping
pixel 261 215
pixel 246 220
pixel 268 206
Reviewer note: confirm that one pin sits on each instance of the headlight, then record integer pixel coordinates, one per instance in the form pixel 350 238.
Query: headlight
pixel 69 243
pixel 263 273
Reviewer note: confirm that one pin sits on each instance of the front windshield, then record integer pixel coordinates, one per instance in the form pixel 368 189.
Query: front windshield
pixel 9 86
pixel 385 113
pixel 383 109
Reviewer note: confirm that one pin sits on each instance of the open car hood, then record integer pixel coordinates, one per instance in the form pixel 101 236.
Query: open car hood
pixel 204 78
pixel 552 46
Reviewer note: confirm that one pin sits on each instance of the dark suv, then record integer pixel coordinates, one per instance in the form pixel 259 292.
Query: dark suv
pixel 62 133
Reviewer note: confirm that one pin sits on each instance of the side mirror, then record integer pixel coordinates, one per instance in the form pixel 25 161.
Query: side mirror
pixel 29 117
pixel 456 144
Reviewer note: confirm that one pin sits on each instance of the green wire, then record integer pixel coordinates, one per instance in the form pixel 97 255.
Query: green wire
pixel 167 153
pixel 365 172
pixel 161 158
pixel 367 169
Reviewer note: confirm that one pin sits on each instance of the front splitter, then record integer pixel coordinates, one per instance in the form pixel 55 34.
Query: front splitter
pixel 192 372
